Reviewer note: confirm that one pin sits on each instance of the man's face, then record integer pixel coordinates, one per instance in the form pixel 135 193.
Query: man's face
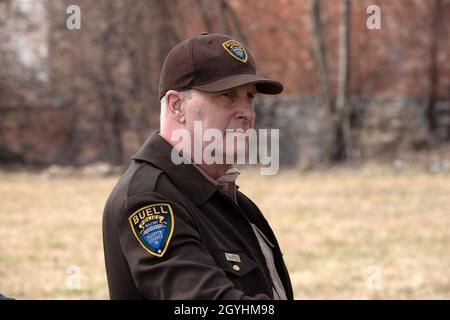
pixel 226 111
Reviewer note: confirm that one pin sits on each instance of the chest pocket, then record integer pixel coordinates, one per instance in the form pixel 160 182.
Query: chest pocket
pixel 237 264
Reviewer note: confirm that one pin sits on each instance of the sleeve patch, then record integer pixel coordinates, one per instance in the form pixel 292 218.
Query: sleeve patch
pixel 152 226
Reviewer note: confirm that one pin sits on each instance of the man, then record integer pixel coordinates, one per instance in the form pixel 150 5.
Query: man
pixel 182 230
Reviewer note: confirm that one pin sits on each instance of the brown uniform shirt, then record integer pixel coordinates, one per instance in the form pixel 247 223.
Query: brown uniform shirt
pixel 208 249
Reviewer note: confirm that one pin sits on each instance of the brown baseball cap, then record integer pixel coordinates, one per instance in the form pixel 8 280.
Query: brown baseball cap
pixel 212 63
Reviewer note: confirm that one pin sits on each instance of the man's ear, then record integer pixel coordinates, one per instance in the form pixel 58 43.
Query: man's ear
pixel 175 106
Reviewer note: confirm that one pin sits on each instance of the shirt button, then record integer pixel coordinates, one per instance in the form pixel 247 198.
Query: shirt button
pixel 236 267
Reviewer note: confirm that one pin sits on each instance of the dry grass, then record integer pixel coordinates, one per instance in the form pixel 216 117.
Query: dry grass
pixel 333 227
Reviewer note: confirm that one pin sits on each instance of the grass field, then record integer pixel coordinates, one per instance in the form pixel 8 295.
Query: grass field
pixel 364 234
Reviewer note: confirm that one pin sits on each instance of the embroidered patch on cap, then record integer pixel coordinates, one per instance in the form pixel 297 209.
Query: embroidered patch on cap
pixel 236 50
pixel 153 227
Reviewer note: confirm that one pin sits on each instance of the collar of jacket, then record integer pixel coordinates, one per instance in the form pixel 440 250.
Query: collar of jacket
pixel 157 151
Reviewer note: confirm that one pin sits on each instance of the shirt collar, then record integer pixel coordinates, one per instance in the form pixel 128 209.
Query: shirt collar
pixel 226 183
pixel 157 151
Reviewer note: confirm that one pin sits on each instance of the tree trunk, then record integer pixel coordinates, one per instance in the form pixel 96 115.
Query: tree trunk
pixel 237 30
pixel 433 69
pixel 205 16
pixel 329 121
pixel 342 104
pixel 224 28
pixel 110 100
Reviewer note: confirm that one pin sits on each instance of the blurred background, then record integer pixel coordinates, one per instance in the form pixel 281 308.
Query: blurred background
pixel 361 204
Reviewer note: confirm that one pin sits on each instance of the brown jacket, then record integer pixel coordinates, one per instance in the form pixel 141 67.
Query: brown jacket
pixel 207 247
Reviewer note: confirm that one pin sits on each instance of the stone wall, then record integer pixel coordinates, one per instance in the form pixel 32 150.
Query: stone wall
pixel 381 127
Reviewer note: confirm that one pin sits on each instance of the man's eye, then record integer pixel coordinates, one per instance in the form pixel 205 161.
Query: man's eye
pixel 251 95
pixel 227 94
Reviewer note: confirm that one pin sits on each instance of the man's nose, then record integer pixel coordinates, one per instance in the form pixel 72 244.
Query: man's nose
pixel 246 111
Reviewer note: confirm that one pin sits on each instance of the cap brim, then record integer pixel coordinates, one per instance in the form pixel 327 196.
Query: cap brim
pixel 262 85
